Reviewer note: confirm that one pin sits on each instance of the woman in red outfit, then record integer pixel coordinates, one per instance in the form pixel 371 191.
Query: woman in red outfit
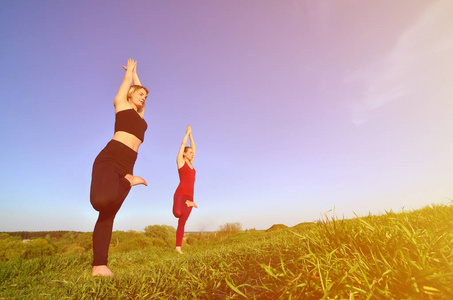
pixel 183 198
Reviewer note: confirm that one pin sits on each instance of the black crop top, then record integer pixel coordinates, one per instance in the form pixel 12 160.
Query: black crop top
pixel 129 121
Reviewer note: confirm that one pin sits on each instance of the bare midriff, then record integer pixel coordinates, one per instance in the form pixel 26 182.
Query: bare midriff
pixel 127 139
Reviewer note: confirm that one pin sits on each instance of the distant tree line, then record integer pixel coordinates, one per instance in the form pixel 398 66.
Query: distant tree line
pixel 30 244
pixel 28 235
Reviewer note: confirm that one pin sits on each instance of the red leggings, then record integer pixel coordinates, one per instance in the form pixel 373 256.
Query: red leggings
pixel 182 212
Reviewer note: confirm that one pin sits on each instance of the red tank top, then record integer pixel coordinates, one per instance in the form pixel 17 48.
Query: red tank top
pixel 186 180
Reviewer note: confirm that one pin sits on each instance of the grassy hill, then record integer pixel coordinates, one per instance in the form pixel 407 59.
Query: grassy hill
pixel 406 255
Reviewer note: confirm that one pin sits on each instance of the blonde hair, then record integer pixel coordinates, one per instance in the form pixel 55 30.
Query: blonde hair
pixel 134 88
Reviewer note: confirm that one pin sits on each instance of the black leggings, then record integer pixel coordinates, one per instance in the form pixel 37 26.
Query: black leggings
pixel 109 188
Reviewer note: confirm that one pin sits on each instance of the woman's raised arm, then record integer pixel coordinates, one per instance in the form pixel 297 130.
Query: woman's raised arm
pixel 192 145
pixel 135 79
pixel 180 157
pixel 121 97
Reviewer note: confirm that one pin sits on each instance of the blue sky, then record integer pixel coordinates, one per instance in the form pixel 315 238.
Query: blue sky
pixel 297 108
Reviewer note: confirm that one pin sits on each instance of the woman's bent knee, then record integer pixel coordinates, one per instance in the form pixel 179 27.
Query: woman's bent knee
pixel 102 203
pixel 178 214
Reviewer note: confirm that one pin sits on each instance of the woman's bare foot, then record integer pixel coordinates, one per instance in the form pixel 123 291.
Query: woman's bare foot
pixel 134 180
pixel 191 203
pixel 102 271
pixel 178 249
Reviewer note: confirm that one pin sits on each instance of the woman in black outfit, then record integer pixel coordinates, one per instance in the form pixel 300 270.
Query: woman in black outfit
pixel 112 176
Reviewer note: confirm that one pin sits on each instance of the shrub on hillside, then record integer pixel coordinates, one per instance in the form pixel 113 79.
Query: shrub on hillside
pixel 201 238
pixel 230 228
pixel 69 236
pixel 164 232
pixel 4 236
pixel 74 249
pixel 85 240
pixel 129 241
pixel 158 242
pixel 15 248
pixel 132 243
pixel 39 247
pixel 191 240
pixel 10 247
pixel 74 242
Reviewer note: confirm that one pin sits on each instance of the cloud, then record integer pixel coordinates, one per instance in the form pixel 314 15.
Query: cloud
pixel 415 66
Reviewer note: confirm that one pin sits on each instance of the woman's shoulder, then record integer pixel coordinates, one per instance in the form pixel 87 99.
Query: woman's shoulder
pixel 180 164
pixel 120 108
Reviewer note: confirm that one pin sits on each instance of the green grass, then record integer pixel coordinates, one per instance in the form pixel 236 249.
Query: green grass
pixel 406 255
